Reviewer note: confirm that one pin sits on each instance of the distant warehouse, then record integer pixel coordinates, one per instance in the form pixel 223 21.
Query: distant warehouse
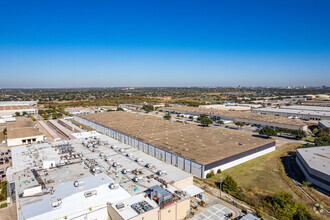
pixel 315 164
pixel 245 117
pixel 301 112
pixel 192 148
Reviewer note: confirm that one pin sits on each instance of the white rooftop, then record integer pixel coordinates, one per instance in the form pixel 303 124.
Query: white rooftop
pixel 128 212
pixel 71 196
pixel 317 158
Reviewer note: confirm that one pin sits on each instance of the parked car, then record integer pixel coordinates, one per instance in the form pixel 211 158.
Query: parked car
pixel 2 153
pixel 1 163
pixel 9 158
pixel 1 159
pixel 6 153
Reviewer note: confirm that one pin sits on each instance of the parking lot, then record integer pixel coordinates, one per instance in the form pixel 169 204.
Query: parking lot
pixel 215 212
pixel 5 155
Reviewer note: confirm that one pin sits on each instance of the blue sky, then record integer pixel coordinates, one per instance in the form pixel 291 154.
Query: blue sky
pixel 164 43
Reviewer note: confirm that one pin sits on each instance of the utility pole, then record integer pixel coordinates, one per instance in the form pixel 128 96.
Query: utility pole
pixel 220 181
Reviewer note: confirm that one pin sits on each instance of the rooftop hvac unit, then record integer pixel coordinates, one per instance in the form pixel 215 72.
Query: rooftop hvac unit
pixel 105 142
pixel 116 164
pixel 101 154
pixel 90 193
pixel 129 155
pixel 120 206
pixel 113 185
pixel 124 171
pixel 95 169
pixel 137 179
pixel 108 159
pixel 56 202
pixel 139 160
pixel 148 165
pixel 121 150
pixel 161 172
pixel 78 183
pixel 114 147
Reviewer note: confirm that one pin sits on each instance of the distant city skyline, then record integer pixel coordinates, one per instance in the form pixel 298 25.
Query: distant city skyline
pixel 164 43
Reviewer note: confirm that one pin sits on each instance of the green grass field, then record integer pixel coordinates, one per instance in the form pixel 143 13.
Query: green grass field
pixel 260 174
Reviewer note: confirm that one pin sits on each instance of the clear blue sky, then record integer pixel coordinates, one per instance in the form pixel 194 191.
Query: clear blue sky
pixel 80 43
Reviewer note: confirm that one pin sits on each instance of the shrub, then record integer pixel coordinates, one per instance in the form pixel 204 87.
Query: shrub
pixel 210 174
pixel 219 171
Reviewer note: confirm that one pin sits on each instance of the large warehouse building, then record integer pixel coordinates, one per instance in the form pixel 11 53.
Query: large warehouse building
pixel 96 177
pixel 245 117
pixel 315 164
pixel 10 108
pixel 192 148
pixel 297 111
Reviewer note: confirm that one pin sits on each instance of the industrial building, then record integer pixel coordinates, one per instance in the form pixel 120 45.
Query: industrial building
pixel 96 177
pixel 23 131
pixel 232 106
pixel 297 111
pixel 324 124
pixel 192 148
pixel 10 108
pixel 315 164
pixel 241 116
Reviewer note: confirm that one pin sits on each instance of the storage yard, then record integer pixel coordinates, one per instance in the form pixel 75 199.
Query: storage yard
pixel 245 117
pixel 190 147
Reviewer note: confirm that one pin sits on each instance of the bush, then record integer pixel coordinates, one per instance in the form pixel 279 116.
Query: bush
pixel 210 174
pixel 219 171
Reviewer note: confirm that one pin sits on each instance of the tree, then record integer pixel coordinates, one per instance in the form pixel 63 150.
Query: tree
pixel 167 116
pixel 45 116
pixel 119 109
pixel 148 108
pixel 54 115
pixel 206 121
pixel 191 117
pixel 17 113
pixel 201 117
pixel 24 113
pixel 220 122
pixel 229 185
pixel 268 131
pixel 239 124
pixel 315 130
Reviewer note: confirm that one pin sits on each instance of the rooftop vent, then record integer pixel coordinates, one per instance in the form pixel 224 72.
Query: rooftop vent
pixel 90 193
pixel 56 202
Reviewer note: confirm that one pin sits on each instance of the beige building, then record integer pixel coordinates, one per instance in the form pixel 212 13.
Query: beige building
pixel 23 131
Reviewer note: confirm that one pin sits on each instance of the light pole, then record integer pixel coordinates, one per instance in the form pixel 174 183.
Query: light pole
pixel 220 180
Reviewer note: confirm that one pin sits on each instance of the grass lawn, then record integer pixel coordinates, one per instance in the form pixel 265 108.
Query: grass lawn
pixel 260 174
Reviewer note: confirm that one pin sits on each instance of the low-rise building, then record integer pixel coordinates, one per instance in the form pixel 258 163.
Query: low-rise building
pixel 314 162
pixel 23 131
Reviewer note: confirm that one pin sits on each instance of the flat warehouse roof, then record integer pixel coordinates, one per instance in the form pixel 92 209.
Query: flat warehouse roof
pixel 22 127
pixel 235 114
pixel 202 145
pixel 23 132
